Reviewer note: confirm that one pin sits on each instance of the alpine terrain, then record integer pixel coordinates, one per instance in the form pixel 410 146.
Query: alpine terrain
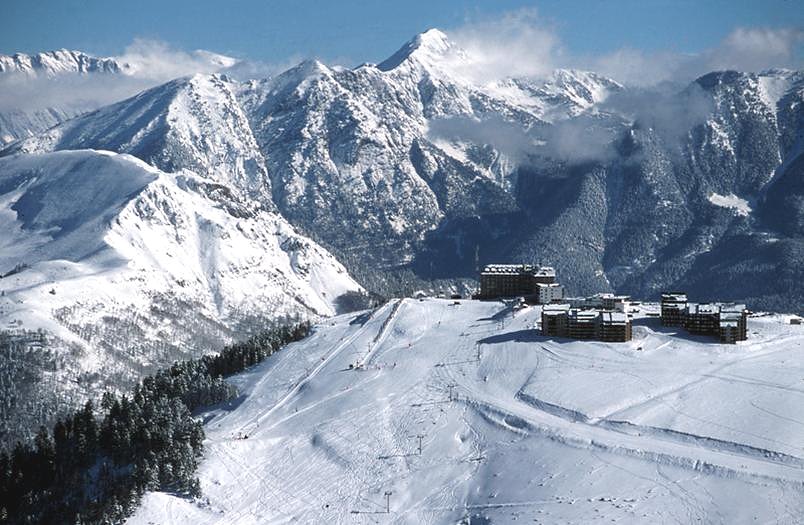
pixel 414 167
pixel 434 412
pixel 116 268
pixel 146 220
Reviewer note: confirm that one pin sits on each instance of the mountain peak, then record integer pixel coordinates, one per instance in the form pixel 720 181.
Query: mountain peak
pixel 434 39
pixel 423 48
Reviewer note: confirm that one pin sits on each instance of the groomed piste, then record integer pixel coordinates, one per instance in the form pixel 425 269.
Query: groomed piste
pixel 427 411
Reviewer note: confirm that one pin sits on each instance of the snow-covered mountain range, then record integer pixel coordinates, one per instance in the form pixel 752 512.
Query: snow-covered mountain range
pixel 420 163
pixel 418 168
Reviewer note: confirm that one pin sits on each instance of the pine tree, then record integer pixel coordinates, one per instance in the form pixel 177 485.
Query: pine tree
pixel 45 455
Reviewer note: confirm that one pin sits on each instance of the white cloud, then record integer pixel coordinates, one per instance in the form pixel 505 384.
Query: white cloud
pixel 517 44
pixel 153 59
pixel 744 49
pixel 752 49
pixel 521 44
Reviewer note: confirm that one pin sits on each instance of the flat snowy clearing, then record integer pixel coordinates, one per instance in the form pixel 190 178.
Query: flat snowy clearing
pixel 740 206
pixel 667 428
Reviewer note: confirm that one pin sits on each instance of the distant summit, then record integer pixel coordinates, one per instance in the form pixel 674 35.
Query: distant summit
pixel 53 63
pixel 424 48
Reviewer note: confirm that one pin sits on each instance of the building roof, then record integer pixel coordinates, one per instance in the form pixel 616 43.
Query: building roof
pixel 674 296
pixel 703 308
pixel 607 295
pixel 548 285
pixel 613 318
pixel 518 269
pixel 733 308
pixel 584 316
pixel 555 309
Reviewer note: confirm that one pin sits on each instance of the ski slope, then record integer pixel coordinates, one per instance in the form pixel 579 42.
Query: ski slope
pixel 513 426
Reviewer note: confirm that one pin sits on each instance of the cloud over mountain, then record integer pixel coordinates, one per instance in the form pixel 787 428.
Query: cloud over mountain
pixel 522 43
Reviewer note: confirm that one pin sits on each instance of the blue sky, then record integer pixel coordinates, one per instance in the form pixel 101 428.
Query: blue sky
pixel 350 32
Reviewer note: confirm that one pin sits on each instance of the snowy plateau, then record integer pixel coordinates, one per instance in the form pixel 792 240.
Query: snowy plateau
pixel 464 414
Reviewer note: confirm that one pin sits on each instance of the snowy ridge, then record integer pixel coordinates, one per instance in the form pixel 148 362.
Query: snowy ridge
pixel 64 84
pixel 147 217
pixel 505 436
pixel 191 123
pixel 425 50
pixel 60 62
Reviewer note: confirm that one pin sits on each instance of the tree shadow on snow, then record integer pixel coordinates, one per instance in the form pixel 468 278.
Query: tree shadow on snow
pixel 224 406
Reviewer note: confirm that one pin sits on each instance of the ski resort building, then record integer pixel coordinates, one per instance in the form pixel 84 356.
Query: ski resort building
pixel 702 319
pixel 536 283
pixel 732 327
pixel 548 293
pixel 583 324
pixel 560 320
pixel 619 303
pixel 674 305
pixel 615 327
pixel 601 301
pixel 733 323
pixel 555 320
pixel 727 322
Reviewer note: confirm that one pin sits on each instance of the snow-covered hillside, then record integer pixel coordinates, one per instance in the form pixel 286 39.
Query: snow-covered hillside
pixel 462 412
pixel 414 171
pixel 137 266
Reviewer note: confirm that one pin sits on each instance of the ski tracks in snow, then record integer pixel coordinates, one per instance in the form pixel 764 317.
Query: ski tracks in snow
pixel 525 413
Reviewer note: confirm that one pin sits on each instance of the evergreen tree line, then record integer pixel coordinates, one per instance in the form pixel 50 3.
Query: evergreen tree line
pixel 95 465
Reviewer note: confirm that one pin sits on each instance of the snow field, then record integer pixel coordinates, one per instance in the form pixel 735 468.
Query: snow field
pixel 539 430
